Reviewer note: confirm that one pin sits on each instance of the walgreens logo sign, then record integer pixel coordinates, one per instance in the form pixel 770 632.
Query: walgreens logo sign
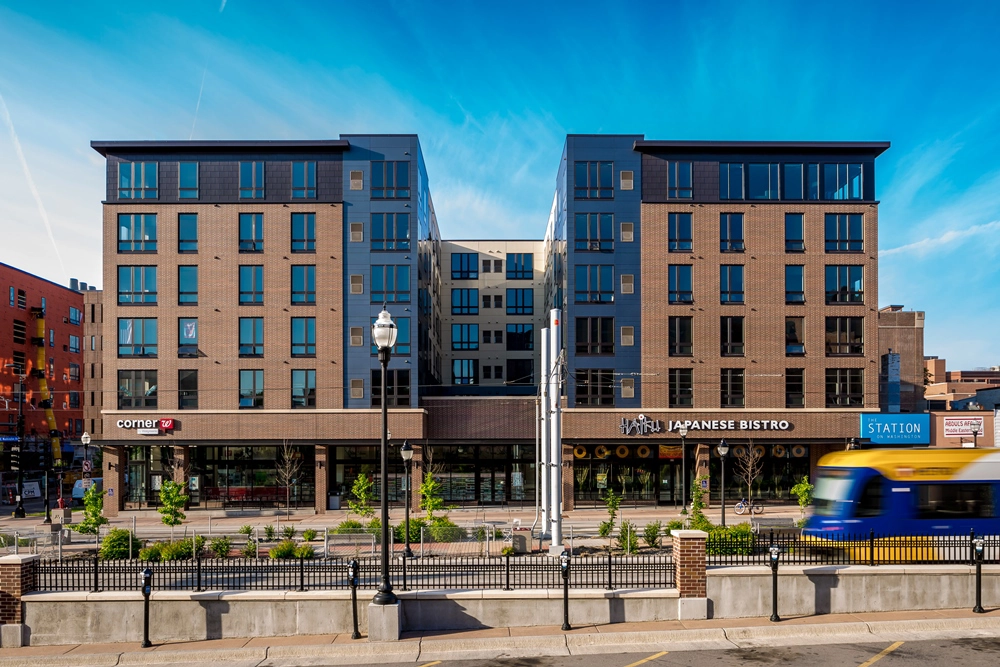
pixel 147 426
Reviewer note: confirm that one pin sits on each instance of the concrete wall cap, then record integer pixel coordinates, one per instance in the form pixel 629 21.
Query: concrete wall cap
pixel 690 534
pixel 16 559
pixel 647 593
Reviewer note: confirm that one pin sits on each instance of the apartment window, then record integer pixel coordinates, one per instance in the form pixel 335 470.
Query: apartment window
pixel 75 315
pixel 733 340
pixel 357 179
pixel 520 266
pixel 732 388
pixel 357 232
pixel 187 337
pixel 520 301
pixel 465 337
pixel 487 265
pixel 679 283
pixel 137 337
pixel 251 389
pixel 679 180
pixel 628 336
pixel 844 232
pixel 844 284
pixel 595 231
pixel 593 180
pixel 465 266
pixel 390 231
pixel 137 390
pixel 22 299
pixel 74 400
pixel 251 337
pixel 136 285
pixel 391 283
pixel 594 335
pixel 681 383
pixel 627 179
pixel 397 389
pixel 52 335
pixel 402 346
pixel 487 301
pixel 303 232
pixel 842 181
pixel 20 332
pixel 137 232
pixel 520 337
pixel 187 389
pixel 251 232
pixel 679 336
pixel 678 232
pixel 187 180
pixel 465 302
pixel 251 285
pixel 730 180
pixel 595 284
pixel 18 358
pixel 187 232
pixel 497 266
pixel 763 181
pixel 792 182
pixel 595 387
pixel 812 181
pixel 498 337
pixel 794 240
pixel 303 389
pixel 731 283
pixel 487 372
pixel 845 387
pixel 303 336
pixel 303 180
pixel 795 388
pixel 844 336
pixel 498 301
pixel 390 180
pixel 11 297
pixel 487 336
pixel 357 284
pixel 731 232
pixel 303 284
pixel 251 180
pixel 795 283
pixel 74 344
pixel 137 180
pixel 464 371
pixel 357 336
pixel 519 372
pixel 795 337
pixel 187 285
pixel 74 372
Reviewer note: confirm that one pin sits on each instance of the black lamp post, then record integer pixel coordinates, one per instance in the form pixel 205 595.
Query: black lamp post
pixel 406 451
pixel 683 432
pixel 384 337
pixel 18 512
pixel 723 450
pixel 974 426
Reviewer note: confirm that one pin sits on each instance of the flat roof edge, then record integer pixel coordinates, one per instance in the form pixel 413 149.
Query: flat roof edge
pixel 105 147
pixel 876 147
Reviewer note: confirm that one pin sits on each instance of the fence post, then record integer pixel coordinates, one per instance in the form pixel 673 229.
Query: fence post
pixel 198 582
pixel 96 576
pixel 871 548
pixel 326 543
pixel 610 585
pixel 689 573
pixel 421 541
pixel 17 542
pixel 507 573
pixel 302 573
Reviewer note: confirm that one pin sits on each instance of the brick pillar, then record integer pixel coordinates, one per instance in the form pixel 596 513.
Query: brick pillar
pixel 689 562
pixel 322 474
pixel 567 477
pixel 416 478
pixel 17 577
pixel 115 467
pixel 182 464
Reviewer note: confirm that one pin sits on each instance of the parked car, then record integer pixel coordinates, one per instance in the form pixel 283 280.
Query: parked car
pixel 78 489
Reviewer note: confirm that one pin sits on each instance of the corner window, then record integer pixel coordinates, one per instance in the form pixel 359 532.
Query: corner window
pixel 842 181
pixel 251 180
pixel 593 180
pixel 137 180
pixel 303 180
pixel 137 232
pixel 390 180
pixel 187 180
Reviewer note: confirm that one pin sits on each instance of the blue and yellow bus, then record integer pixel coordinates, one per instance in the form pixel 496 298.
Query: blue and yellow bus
pixel 933 492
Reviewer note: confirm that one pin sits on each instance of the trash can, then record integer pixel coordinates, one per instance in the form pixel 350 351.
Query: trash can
pixel 520 539
pixel 333 502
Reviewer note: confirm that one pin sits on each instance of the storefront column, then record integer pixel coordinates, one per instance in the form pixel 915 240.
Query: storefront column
pixel 567 478
pixel 321 475
pixel 116 466
pixel 416 478
pixel 701 457
pixel 182 464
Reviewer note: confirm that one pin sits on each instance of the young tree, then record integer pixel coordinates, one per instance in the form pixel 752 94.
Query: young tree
pixel 749 464
pixel 93 508
pixel 362 495
pixel 431 497
pixel 172 502
pixel 287 469
pixel 804 492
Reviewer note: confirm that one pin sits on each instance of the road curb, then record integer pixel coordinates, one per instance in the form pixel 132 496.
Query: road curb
pixel 205 656
pixel 342 654
pixel 794 635
pixel 493 648
pixel 653 640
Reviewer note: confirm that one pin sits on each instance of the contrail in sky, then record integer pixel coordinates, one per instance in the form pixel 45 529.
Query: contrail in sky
pixel 31 183
pixel 198 105
pixel 222 6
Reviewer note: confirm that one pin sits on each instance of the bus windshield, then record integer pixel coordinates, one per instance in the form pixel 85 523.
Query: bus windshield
pixel 833 488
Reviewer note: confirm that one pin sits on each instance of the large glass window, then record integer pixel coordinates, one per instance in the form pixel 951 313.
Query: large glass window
pixel 732 388
pixel 593 180
pixel 792 182
pixel 844 284
pixel 731 329
pixel 303 336
pixel 137 232
pixel 812 181
pixel 845 387
pixel 731 180
pixel 303 232
pixel 137 390
pixel 74 343
pixel 465 336
pixel 595 387
pixel 137 180
pixel 187 285
pixel 251 337
pixel 391 283
pixel 187 337
pixel 763 181
pixel 679 180
pixel 390 180
pixel 794 240
pixel 595 283
pixel 520 337
pixel 251 232
pixel 731 283
pixel 303 180
pixel 397 388
pixel 594 335
pixel 187 390
pixel 251 389
pixel 795 285
pixel 136 285
pixel 679 336
pixel 795 388
pixel 465 302
pixel 465 266
pixel 251 180
pixel 390 231
pixel 679 283
pixel 303 284
pixel 731 232
pixel 678 232
pixel 303 389
pixel 842 181
pixel 520 266
pixel 465 371
pixel 681 382
pixel 844 336
pixel 520 301
pixel 187 232
pixel 75 315
pixel 519 371
pixel 137 337
pixel 187 180
pixel 795 336
pixel 844 232
pixel 251 285
pixel 595 231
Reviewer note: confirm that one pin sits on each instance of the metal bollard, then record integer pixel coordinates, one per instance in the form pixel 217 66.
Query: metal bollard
pixel 978 546
pixel 352 581
pixel 147 589
pixel 564 567
pixel 773 554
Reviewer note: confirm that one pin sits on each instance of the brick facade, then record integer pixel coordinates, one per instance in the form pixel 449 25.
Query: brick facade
pixel 689 563
pixel 17 577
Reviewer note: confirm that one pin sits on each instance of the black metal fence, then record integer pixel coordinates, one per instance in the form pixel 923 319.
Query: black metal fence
pixel 870 549
pixel 506 573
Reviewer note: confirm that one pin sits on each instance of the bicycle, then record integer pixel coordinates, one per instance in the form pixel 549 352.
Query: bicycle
pixel 755 506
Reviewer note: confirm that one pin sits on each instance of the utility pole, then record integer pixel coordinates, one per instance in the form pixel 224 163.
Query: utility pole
pixel 542 465
pixel 555 438
pixel 15 450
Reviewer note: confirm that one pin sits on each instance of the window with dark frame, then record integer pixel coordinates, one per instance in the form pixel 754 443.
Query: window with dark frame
pixel 465 337
pixel 679 232
pixel 844 232
pixel 20 332
pixel 303 336
pixel 390 283
pixel 303 284
pixel 795 337
pixel 136 285
pixel 251 232
pixel 303 180
pixel 402 346
pixel 732 336
pixel 390 231
pixel 520 266
pixel 795 388
pixel 792 182
pixel 844 284
pixel 251 389
pixel 594 335
pixel 465 266
pixel 137 180
pixel 679 182
pixel 730 180
pixel 464 371
pixel 187 285
pixel 520 301
pixel 136 232
pixel 732 395
pixel 681 383
pixel 303 389
pixel 731 283
pixel 794 240
pixel 303 232
pixel 252 180
pixel 520 337
pixel 137 390
pixel 845 387
pixel 679 337
pixel 795 283
pixel 464 301
pixel 251 337
pixel 844 336
pixel 595 283
pixel 842 181
pixel 519 372
pixel 187 232
pixel 593 180
pixel 762 181
pixel 397 388
pixel 595 386
pixel 187 180
pixel 187 389
pixel 498 301
pixel 731 232
pixel 595 232
pixel 137 337
pixel 390 180
pixel 679 284
pixel 487 301
pixel 74 344
pixel 187 337
pixel 251 285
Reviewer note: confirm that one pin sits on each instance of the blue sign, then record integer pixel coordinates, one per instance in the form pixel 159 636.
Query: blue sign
pixel 8 438
pixel 896 429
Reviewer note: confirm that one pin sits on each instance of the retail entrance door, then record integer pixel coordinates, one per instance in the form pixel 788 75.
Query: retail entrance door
pixel 492 483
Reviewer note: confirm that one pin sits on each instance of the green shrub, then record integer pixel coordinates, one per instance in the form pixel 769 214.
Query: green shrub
pixel 151 553
pixel 288 532
pixel 270 533
pixel 283 549
pixel 604 528
pixel 416 523
pixel 651 534
pixel 249 549
pixel 479 534
pixel 349 526
pixel 246 529
pixel 628 539
pixel 116 543
pixel 443 529
pixel 507 551
pixel 309 534
pixel 220 547
pixel 180 550
pixel 675 524
pixel 374 527
pixel 731 540
pixel 93 512
pixel 305 551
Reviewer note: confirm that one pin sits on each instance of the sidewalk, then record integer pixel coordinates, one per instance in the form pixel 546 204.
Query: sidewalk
pixel 492 643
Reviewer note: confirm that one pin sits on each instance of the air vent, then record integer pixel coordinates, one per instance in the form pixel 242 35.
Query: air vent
pixel 627 180
pixel 357 232
pixel 357 388
pixel 357 284
pixel 628 283
pixel 628 336
pixel 628 388
pixel 626 234
pixel 357 180
pixel 357 336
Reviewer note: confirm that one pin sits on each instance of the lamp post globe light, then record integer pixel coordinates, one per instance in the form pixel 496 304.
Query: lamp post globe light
pixel 384 337
pixel 682 430
pixel 406 451
pixel 723 450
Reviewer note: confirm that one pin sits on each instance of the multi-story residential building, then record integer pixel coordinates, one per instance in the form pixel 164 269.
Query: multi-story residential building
pixel 901 359
pixel 93 363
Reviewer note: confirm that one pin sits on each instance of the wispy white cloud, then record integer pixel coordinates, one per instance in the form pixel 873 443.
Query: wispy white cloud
pixel 920 167
pixel 222 6
pixel 942 242
pixel 197 105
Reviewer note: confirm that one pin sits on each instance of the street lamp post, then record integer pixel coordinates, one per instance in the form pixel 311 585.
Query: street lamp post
pixel 683 433
pixel 723 450
pixel 974 427
pixel 407 453
pixel 384 337
pixel 18 512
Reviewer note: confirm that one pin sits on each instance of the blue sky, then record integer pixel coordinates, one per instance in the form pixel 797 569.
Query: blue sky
pixel 492 89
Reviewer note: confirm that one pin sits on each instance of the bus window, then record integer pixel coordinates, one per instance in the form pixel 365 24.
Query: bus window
pixel 833 488
pixel 870 503
pixel 954 501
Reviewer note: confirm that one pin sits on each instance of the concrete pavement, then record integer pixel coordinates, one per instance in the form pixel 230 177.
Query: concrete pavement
pixel 493 643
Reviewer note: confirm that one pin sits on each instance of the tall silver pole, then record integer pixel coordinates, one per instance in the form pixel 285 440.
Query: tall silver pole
pixel 555 440
pixel 542 467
